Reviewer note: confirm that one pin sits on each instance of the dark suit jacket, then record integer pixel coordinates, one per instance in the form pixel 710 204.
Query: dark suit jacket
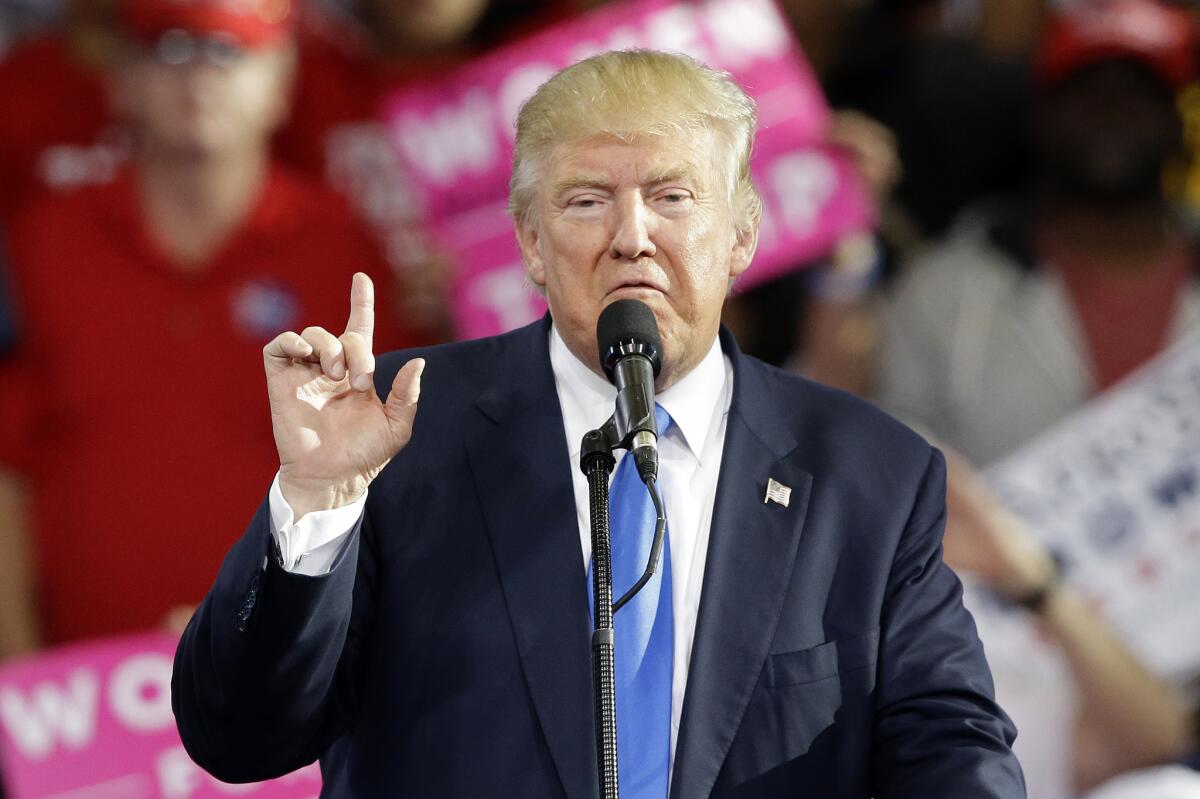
pixel 447 652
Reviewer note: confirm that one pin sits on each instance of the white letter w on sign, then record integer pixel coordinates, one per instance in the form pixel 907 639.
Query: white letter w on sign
pixel 51 712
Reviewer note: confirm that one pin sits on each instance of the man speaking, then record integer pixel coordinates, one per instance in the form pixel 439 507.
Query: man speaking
pixel 428 636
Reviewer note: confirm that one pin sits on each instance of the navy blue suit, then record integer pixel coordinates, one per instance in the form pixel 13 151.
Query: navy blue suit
pixel 447 652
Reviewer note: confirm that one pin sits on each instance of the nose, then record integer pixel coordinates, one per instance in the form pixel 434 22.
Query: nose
pixel 632 236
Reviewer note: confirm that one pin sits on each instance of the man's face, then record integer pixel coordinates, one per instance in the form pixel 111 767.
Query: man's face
pixel 1106 132
pixel 648 220
pixel 213 101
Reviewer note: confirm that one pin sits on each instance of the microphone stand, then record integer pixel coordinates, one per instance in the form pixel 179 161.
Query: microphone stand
pixel 597 462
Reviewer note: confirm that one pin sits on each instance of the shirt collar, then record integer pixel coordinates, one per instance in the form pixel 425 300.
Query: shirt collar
pixel 587 399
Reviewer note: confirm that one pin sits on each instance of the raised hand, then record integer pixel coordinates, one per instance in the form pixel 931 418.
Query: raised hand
pixel 332 431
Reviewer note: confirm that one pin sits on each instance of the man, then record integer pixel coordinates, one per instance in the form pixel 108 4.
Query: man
pixel 1069 290
pixel 202 246
pixel 430 636
pixel 1026 312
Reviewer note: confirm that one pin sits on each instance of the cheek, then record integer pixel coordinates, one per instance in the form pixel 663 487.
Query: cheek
pixel 570 253
pixel 250 95
pixel 253 97
pixel 705 258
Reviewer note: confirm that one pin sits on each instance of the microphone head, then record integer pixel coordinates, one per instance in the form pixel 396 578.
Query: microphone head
pixel 628 327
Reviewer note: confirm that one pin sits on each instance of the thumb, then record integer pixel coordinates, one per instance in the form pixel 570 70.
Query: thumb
pixel 401 405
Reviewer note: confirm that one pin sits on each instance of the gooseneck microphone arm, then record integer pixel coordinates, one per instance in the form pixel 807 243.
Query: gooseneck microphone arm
pixel 660 530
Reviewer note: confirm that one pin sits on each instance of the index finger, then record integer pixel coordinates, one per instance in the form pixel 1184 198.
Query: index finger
pixel 362 307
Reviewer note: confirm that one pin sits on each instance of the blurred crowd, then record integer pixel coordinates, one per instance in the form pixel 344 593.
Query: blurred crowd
pixel 180 180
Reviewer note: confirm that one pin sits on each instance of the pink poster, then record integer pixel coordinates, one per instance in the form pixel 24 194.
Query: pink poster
pixel 94 722
pixel 455 138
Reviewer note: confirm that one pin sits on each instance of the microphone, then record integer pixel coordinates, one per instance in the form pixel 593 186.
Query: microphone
pixel 631 356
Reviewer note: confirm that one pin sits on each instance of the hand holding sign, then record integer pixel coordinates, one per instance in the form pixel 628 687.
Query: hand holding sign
pixel 333 432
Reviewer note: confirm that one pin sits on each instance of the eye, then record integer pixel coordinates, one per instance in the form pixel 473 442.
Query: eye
pixel 673 200
pixel 584 202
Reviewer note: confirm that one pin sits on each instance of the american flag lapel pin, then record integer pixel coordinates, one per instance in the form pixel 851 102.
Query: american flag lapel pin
pixel 777 492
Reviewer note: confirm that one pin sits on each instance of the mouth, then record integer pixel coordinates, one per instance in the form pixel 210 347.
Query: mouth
pixel 636 289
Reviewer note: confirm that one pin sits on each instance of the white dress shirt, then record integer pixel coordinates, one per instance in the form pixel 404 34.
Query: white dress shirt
pixel 689 464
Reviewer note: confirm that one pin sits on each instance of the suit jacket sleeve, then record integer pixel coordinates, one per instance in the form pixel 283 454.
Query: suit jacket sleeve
pixel 264 676
pixel 938 729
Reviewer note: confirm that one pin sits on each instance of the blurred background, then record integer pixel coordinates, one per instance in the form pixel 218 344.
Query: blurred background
pixel 180 180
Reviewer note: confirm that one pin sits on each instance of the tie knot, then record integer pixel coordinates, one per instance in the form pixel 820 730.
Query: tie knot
pixel 662 419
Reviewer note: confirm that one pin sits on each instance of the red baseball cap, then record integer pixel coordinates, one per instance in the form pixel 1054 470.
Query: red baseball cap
pixel 251 23
pixel 1159 36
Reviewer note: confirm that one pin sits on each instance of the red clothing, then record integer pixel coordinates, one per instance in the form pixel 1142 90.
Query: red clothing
pixel 335 134
pixel 1125 316
pixel 54 127
pixel 340 86
pixel 137 406
pixel 335 131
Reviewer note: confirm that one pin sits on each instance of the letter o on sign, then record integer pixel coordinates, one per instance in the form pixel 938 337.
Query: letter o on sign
pixel 139 692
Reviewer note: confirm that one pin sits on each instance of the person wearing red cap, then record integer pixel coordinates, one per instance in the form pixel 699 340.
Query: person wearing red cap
pixel 145 303
pixel 56 133
pixel 1023 314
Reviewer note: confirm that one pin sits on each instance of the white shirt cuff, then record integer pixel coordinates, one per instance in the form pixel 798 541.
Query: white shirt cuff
pixel 311 545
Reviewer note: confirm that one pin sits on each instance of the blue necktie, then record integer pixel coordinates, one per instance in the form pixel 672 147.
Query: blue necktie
pixel 645 636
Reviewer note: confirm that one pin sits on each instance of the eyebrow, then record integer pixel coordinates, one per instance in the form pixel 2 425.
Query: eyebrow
pixel 676 175
pixel 581 182
pixel 670 175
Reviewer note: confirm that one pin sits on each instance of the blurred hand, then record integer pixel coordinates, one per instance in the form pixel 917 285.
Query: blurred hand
pixel 332 431
pixel 177 619
pixel 985 539
pixel 874 148
pixel 423 293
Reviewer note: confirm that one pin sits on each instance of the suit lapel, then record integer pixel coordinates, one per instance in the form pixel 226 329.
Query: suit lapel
pixel 521 470
pixel 751 551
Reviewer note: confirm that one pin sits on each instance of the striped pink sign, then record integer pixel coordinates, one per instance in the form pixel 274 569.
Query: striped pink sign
pixel 455 138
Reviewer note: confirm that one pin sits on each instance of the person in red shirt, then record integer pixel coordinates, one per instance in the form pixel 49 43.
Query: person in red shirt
pixel 202 248
pixel 56 132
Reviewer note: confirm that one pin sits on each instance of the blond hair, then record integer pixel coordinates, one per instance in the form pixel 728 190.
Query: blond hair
pixel 631 93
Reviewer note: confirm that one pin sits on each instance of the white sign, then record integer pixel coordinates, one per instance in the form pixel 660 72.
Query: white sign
pixel 1115 490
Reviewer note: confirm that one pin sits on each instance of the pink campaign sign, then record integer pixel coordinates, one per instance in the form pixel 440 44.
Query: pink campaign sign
pixel 806 210
pixel 455 136
pixel 94 722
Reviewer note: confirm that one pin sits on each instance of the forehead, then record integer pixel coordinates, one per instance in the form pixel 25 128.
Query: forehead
pixel 635 160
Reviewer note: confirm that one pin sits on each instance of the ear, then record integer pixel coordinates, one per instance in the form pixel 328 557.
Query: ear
pixel 535 267
pixel 745 243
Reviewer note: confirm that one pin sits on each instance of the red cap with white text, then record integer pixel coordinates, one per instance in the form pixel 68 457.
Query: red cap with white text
pixel 1161 37
pixel 250 23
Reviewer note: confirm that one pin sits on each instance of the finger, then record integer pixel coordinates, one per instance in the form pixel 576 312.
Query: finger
pixel 401 405
pixel 362 308
pixel 284 348
pixel 360 363
pixel 326 347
